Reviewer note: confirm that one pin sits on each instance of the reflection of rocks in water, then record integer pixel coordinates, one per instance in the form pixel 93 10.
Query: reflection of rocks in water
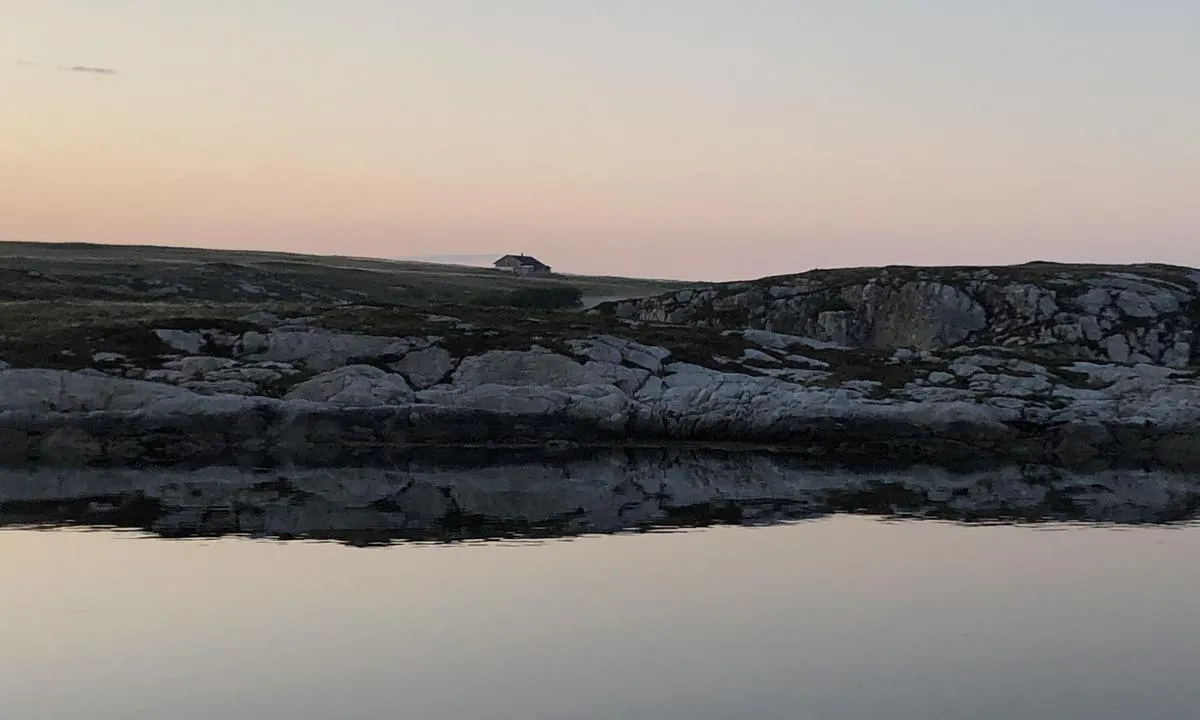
pixel 550 497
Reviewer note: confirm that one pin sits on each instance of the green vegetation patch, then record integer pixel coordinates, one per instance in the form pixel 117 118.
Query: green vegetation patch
pixel 65 335
pixel 535 297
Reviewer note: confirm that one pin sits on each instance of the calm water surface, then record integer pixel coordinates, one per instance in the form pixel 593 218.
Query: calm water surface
pixel 844 617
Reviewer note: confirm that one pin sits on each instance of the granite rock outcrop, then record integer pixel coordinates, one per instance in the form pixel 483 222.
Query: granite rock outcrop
pixel 942 366
pixel 1123 314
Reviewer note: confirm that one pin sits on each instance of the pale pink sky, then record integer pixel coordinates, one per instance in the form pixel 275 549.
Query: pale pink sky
pixel 699 139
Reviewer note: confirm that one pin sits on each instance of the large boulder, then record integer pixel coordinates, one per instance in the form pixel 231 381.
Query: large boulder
pixel 58 391
pixel 318 349
pixel 354 386
pixel 425 368
pixel 516 368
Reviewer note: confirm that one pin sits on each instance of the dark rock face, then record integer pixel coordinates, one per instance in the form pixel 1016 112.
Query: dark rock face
pixel 280 435
pixel 1126 314
pixel 269 435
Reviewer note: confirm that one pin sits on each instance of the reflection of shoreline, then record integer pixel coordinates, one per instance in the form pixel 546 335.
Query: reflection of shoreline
pixel 572 495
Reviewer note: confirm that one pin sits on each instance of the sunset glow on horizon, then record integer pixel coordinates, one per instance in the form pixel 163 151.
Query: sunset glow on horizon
pixel 700 139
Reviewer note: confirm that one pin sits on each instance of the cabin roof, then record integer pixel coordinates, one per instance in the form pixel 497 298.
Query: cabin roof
pixel 523 261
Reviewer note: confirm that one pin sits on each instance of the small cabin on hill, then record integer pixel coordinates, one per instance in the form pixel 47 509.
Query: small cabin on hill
pixel 522 265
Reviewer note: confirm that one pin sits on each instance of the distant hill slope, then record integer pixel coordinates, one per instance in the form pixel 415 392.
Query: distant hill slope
pixel 84 271
pixel 1117 313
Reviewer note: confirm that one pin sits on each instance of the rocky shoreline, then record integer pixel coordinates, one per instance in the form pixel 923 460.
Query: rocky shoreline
pixel 897 367
pixel 266 433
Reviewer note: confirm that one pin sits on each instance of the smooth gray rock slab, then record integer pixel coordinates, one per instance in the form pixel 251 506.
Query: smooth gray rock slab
pixel 425 368
pixel 185 341
pixel 318 349
pixel 58 391
pixel 520 368
pixel 356 386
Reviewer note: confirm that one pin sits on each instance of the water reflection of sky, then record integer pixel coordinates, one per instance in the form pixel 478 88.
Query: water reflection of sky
pixel 840 618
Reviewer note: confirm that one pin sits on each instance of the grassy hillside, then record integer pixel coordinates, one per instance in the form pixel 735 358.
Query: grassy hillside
pixel 80 271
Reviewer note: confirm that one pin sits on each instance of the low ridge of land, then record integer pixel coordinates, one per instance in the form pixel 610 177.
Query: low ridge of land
pixel 85 271
pixel 252 361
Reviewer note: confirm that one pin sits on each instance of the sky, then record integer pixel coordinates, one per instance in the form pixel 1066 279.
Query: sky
pixel 697 139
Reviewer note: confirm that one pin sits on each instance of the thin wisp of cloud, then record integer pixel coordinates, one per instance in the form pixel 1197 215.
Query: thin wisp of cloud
pixel 84 69
pixel 92 70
